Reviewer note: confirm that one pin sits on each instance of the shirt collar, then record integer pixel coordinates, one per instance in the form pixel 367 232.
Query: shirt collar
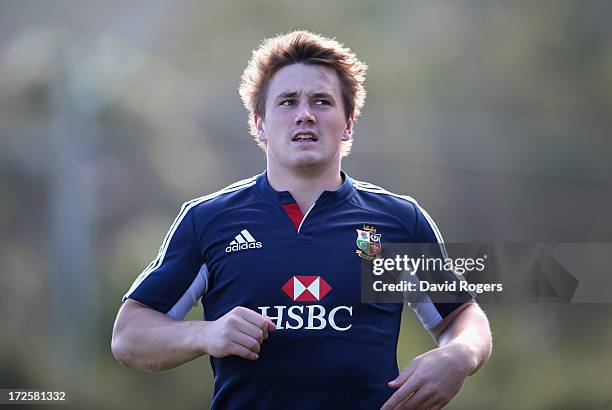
pixel 285 197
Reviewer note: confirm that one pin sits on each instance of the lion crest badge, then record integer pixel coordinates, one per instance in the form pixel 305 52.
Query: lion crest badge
pixel 368 243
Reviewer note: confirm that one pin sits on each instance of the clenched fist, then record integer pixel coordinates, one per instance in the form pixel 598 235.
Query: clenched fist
pixel 240 332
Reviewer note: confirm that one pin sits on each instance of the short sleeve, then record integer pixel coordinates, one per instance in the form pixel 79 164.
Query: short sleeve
pixel 430 308
pixel 175 280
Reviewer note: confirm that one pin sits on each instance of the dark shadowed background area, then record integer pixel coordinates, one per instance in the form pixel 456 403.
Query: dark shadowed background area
pixel 496 116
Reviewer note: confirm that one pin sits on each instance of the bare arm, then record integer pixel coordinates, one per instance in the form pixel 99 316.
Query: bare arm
pixel 149 340
pixel 468 328
pixel 432 379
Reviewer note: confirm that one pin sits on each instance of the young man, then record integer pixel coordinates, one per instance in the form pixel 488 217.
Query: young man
pixel 274 260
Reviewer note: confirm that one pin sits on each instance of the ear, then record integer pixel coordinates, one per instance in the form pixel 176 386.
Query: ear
pixel 261 134
pixel 347 134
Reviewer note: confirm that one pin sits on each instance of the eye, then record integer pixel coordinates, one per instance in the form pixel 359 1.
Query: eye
pixel 321 101
pixel 286 103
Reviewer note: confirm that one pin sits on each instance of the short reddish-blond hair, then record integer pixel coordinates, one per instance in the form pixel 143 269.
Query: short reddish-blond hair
pixel 307 48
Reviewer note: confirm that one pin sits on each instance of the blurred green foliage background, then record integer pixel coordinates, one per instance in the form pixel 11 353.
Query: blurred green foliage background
pixel 495 115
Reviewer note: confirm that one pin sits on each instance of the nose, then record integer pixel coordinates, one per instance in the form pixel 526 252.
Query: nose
pixel 304 115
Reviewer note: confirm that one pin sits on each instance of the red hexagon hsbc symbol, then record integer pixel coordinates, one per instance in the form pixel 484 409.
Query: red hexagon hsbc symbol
pixel 306 288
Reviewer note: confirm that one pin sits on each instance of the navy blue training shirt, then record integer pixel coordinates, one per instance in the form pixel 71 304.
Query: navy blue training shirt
pixel 249 245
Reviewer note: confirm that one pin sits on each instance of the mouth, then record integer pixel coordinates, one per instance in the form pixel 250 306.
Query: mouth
pixel 305 136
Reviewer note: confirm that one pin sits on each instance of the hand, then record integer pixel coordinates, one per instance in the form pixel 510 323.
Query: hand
pixel 240 332
pixel 431 380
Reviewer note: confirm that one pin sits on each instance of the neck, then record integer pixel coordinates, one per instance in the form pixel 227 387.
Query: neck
pixel 305 184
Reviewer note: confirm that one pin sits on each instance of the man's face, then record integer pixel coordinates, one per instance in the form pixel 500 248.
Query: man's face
pixel 304 122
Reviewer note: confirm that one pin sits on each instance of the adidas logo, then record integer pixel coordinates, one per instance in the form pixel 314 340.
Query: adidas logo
pixel 244 240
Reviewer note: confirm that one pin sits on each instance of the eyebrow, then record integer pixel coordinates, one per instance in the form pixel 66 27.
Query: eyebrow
pixel 293 94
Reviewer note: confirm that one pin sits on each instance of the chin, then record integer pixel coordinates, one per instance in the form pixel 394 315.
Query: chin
pixel 306 160
pixel 305 164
